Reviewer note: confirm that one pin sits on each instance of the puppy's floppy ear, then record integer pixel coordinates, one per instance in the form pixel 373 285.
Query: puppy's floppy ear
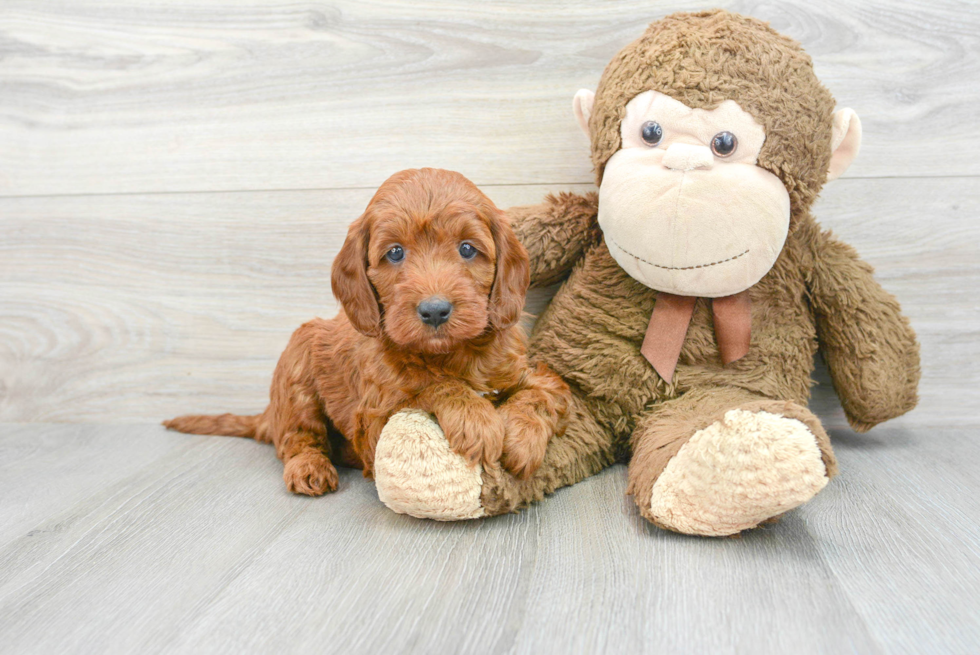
pixel 513 273
pixel 350 282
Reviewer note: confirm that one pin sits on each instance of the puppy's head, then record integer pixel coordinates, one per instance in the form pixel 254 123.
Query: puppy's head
pixel 431 263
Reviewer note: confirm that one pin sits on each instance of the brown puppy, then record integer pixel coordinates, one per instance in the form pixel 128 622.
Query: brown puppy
pixel 432 281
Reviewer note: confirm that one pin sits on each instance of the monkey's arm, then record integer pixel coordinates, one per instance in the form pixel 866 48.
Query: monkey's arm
pixel 556 233
pixel 867 342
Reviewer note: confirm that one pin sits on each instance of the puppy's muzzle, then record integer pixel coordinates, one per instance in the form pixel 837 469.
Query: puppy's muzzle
pixel 434 311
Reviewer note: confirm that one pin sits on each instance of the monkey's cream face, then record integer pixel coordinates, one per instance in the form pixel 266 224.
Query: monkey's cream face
pixel 683 206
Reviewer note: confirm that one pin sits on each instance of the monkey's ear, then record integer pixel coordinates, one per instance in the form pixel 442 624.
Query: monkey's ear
pixel 350 282
pixel 845 143
pixel 582 106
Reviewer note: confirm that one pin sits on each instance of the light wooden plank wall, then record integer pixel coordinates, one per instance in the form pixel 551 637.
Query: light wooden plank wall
pixel 176 178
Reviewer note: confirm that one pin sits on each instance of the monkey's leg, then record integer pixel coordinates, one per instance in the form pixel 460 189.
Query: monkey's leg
pixel 717 461
pixel 416 472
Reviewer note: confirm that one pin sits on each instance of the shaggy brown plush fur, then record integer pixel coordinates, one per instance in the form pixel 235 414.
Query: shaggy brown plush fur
pixel 339 381
pixel 817 293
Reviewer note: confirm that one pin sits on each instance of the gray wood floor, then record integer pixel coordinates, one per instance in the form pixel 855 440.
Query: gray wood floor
pixel 130 539
pixel 175 180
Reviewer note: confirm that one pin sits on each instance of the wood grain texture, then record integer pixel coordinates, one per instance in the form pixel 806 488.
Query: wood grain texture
pixel 145 306
pixel 909 506
pixel 199 548
pixel 241 94
pixel 45 469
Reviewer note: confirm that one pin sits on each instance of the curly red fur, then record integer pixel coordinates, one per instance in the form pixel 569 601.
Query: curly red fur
pixel 339 381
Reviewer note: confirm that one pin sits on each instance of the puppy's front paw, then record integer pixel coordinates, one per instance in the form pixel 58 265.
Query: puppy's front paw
pixel 474 431
pixel 310 473
pixel 526 436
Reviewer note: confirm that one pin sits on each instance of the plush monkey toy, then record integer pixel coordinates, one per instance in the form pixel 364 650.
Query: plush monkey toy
pixel 698 290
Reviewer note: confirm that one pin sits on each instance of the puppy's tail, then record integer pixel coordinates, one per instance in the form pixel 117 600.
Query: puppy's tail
pixel 227 425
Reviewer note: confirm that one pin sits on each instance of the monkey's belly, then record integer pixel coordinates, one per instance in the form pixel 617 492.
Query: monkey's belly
pixel 592 331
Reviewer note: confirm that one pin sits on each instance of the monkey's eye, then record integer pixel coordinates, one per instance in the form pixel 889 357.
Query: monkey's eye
pixel 724 144
pixel 395 254
pixel 651 133
pixel 467 250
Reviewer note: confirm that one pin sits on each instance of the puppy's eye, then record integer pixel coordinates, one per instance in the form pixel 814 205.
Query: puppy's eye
pixel 467 250
pixel 724 144
pixel 395 254
pixel 651 133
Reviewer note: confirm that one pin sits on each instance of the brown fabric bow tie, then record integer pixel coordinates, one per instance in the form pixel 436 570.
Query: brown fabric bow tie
pixel 668 326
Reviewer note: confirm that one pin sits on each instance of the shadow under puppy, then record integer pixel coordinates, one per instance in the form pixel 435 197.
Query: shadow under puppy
pixel 432 281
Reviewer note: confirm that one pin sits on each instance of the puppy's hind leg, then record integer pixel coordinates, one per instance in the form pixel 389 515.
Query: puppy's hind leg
pixel 307 468
pixel 298 425
pixel 300 436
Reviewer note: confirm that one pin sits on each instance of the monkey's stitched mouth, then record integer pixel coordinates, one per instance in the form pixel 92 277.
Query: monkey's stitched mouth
pixel 679 268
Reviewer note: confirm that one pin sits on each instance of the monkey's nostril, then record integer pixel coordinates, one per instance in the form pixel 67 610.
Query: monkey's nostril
pixel 434 311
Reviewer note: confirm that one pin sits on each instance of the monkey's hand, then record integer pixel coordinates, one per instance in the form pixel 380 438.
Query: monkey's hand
pixel 869 346
pixel 556 233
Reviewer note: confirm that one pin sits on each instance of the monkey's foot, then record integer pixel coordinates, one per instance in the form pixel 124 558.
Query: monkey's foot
pixel 737 473
pixel 417 474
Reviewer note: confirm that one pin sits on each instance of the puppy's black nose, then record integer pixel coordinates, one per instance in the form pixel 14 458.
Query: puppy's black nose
pixel 435 311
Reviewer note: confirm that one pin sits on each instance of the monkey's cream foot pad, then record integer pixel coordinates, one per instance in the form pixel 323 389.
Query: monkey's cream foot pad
pixel 736 473
pixel 417 474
